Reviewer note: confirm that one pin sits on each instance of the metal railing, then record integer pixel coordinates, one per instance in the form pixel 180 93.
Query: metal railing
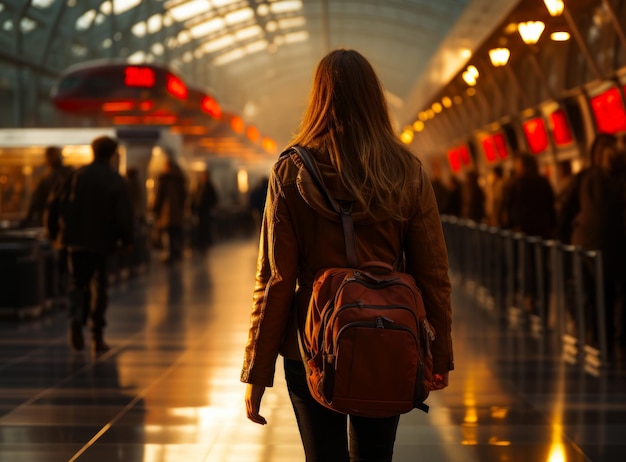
pixel 549 288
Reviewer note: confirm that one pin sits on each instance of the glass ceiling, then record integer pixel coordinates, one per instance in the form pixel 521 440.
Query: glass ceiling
pixel 254 55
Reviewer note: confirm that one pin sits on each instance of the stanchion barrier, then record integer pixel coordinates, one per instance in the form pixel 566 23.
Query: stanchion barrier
pixel 543 284
pixel 600 307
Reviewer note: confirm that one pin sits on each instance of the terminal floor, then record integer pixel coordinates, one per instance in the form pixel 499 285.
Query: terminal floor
pixel 169 388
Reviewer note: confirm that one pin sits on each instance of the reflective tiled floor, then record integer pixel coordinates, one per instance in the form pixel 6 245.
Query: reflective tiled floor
pixel 169 389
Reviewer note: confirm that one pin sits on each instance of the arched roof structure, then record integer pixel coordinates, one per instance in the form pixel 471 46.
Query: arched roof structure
pixel 256 57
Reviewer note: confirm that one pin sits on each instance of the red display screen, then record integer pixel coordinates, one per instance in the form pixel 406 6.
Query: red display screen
pixel 536 135
pixel 211 107
pixel 176 87
pixel 458 157
pixel 490 149
pixel 500 143
pixel 454 160
pixel 137 76
pixel 608 111
pixel 560 128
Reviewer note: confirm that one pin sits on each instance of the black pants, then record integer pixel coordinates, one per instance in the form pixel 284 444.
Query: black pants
pixel 88 286
pixel 325 433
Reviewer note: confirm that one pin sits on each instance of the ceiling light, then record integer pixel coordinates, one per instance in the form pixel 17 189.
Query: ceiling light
pixel 560 36
pixel 470 75
pixel 446 101
pixel 499 56
pixel 407 136
pixel 437 107
pixel 530 31
pixel 469 78
pixel 418 126
pixel 555 7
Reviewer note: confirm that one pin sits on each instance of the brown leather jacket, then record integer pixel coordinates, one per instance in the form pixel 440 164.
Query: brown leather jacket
pixel 301 235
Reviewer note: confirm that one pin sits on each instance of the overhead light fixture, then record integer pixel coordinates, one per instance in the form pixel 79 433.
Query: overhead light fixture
pixel 407 136
pixel 499 56
pixel 418 126
pixel 437 107
pixel 560 36
pixel 530 31
pixel 446 101
pixel 470 75
pixel 555 7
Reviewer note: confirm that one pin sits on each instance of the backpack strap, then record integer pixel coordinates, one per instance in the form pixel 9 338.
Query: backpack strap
pixel 344 209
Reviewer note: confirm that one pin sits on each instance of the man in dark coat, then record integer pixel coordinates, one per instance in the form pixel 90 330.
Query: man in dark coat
pixel 93 214
pixel 528 200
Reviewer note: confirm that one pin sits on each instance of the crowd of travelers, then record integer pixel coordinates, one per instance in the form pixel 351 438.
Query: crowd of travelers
pixel 587 209
pixel 92 213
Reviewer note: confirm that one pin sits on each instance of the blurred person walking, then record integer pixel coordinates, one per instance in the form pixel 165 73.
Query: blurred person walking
pixel 472 198
pixel 54 175
pixel 347 129
pixel 93 215
pixel 528 206
pixel 203 202
pixel 169 208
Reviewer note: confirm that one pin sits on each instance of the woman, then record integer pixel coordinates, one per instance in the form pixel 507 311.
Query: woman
pixel 347 130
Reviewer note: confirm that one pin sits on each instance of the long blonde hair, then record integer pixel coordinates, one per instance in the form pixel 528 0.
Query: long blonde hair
pixel 347 117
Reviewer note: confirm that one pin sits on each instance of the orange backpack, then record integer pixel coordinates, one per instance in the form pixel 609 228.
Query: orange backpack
pixel 366 341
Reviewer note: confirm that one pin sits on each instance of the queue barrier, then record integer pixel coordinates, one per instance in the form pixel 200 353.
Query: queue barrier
pixel 545 286
pixel 32 279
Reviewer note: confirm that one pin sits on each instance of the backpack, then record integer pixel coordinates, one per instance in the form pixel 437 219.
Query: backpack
pixel 366 341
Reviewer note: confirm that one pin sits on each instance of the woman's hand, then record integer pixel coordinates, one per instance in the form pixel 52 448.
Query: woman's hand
pixel 254 393
pixel 440 381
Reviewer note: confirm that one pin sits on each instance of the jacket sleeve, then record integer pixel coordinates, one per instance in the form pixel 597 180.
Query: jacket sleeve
pixel 274 289
pixel 427 262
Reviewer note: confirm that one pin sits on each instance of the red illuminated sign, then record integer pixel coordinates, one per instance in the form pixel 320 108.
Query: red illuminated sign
pixel 500 143
pixel 211 107
pixel 494 147
pixel 455 161
pixel 536 135
pixel 458 157
pixel 608 111
pixel 176 87
pixel 136 76
pixel 490 149
pixel 560 128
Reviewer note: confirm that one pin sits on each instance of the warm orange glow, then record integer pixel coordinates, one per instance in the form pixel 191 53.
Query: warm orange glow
pixel 269 145
pixel 146 105
pixel 117 106
pixel 237 124
pixel 211 107
pixel 159 119
pixel 253 133
pixel 126 120
pixel 137 76
pixel 176 87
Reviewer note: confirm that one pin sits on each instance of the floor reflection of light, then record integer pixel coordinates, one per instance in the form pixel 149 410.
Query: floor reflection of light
pixel 205 415
pixel 557 448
